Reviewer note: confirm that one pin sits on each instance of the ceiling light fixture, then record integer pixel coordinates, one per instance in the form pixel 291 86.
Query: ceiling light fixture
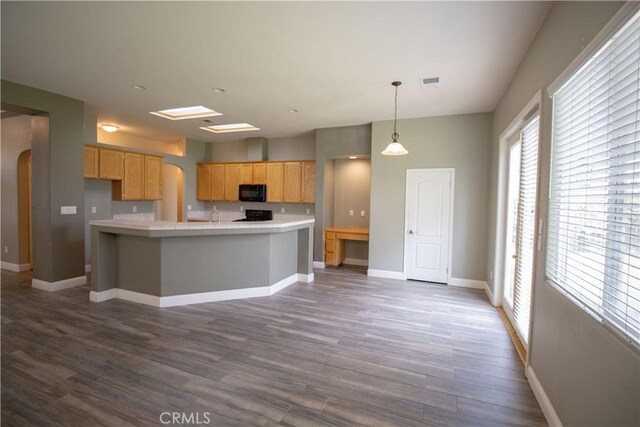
pixel 395 148
pixel 186 113
pixel 218 90
pixel 138 87
pixel 109 128
pixel 353 157
pixel 292 110
pixel 235 127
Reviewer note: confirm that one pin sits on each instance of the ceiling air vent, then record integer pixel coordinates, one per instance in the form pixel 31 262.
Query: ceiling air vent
pixel 430 82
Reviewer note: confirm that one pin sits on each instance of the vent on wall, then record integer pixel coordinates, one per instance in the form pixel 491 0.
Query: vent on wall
pixel 430 82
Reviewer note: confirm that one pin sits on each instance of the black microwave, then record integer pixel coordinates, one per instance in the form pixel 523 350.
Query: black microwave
pixel 253 193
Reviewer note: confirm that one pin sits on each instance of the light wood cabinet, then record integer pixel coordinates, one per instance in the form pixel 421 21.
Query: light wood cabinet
pixel 309 182
pixel 259 173
pixel 334 242
pixel 91 162
pixel 203 182
pixel 111 164
pixel 131 187
pixel 292 192
pixel 232 179
pixel 216 175
pixel 152 178
pixel 247 174
pixel 275 181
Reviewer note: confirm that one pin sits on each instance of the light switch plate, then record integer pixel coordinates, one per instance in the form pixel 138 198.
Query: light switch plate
pixel 282 209
pixel 68 210
pixel 94 209
pixel 135 209
pixel 350 212
pixel 188 207
pixel 241 208
pixel 361 213
pixel 308 211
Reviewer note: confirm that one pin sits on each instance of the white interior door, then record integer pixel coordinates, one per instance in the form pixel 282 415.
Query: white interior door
pixel 428 224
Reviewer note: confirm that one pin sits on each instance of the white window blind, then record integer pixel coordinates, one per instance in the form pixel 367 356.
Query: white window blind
pixel 594 208
pixel 525 240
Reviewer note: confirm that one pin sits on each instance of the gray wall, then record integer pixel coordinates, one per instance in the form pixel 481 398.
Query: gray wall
pixel 590 376
pixel 352 191
pixel 302 147
pixel 226 151
pixel 57 179
pixel 16 138
pixel 331 142
pixel 460 142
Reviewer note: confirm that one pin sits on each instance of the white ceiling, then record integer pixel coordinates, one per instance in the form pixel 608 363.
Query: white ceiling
pixel 333 61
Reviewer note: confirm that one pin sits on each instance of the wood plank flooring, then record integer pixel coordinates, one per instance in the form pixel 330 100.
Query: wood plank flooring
pixel 344 350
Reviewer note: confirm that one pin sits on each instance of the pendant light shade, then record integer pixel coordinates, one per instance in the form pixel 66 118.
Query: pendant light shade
pixel 395 148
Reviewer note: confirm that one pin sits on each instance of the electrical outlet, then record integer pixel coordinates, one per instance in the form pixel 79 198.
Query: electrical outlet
pixel 188 207
pixel 6 249
pixel 68 210
pixel 135 209
pixel 94 209
pixel 308 211
pixel 241 208
pixel 282 209
pixel 350 212
pixel 361 213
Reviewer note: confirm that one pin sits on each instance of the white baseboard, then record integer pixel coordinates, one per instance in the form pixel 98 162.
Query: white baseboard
pixel 200 297
pixel 318 264
pixel 467 283
pixel 87 268
pixel 59 285
pixel 306 278
pixel 17 268
pixel 492 299
pixel 356 261
pixel 384 274
pixel 543 400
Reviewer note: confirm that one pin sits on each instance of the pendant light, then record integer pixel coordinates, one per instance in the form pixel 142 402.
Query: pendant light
pixel 395 148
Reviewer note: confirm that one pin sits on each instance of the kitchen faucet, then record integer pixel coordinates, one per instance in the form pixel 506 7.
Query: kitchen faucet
pixel 212 214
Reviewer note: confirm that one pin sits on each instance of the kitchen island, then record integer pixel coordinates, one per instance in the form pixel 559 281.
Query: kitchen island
pixel 175 263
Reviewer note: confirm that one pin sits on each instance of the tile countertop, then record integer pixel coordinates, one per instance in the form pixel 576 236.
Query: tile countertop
pixel 279 221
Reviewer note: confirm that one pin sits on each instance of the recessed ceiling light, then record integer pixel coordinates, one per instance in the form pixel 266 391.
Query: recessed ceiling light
pixel 218 90
pixel 139 87
pixel 353 157
pixel 109 128
pixel 293 110
pixel 186 113
pixel 235 127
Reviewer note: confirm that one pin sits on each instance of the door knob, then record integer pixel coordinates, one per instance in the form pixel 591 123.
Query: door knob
pixel 411 232
pixel 514 256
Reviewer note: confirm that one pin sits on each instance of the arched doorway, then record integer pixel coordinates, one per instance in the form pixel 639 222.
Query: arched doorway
pixel 25 229
pixel 171 207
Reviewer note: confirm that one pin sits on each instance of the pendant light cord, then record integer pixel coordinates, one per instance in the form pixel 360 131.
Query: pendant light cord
pixel 395 136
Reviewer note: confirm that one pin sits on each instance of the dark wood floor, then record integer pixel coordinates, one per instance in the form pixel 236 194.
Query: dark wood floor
pixel 344 350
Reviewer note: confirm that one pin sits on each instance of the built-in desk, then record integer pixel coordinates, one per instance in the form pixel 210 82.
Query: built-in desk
pixel 334 238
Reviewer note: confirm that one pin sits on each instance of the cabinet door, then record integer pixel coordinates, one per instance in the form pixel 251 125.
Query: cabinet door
pixel 274 182
pixel 217 181
pixel 309 182
pixel 232 178
pixel 133 182
pixel 260 173
pixel 152 178
pixel 203 182
pixel 247 174
pixel 292 182
pixel 111 164
pixel 91 162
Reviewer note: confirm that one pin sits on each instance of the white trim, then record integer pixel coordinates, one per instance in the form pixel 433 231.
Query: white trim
pixel 87 268
pixel 615 23
pixel 487 290
pixel 102 296
pixel 452 171
pixel 59 285
pixel 17 268
pixel 306 278
pixel 318 264
pixel 467 283
pixel 385 274
pixel 200 297
pixel 543 400
pixel 356 261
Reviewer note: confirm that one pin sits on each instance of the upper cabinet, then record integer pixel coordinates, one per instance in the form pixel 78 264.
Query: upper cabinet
pixel 91 162
pixel 133 176
pixel 289 182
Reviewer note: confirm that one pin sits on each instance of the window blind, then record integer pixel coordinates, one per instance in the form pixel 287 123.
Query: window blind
pixel 593 242
pixel 525 240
